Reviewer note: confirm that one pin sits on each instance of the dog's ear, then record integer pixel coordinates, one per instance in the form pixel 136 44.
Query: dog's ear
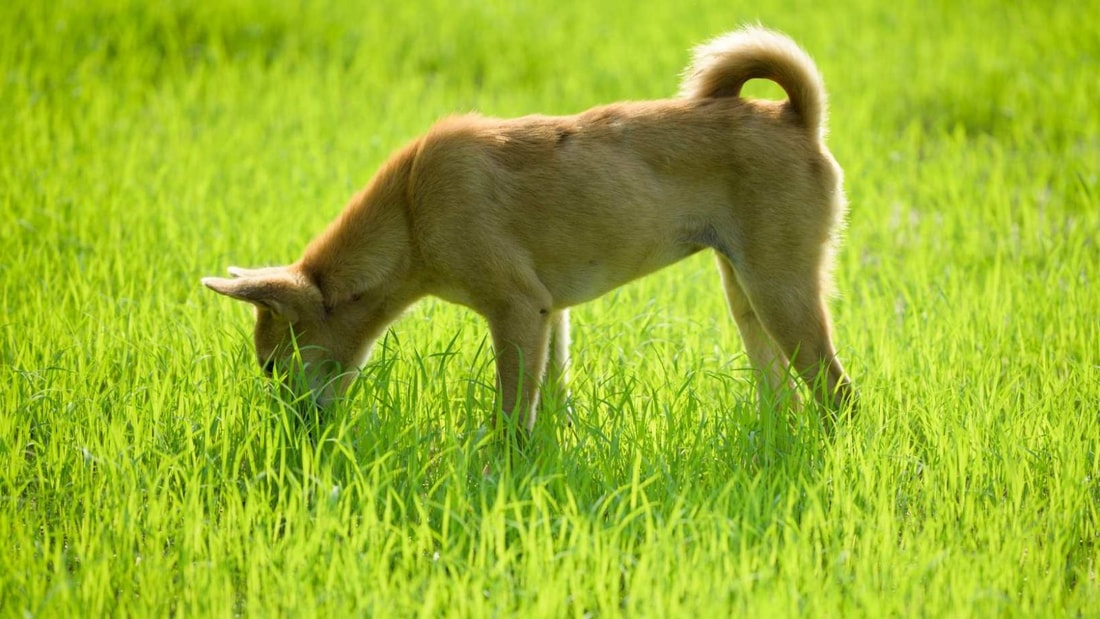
pixel 284 292
pixel 239 272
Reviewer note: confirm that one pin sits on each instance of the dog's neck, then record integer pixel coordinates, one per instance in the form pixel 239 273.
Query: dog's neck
pixel 368 249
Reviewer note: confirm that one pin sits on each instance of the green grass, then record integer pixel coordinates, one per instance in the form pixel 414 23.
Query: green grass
pixel 146 470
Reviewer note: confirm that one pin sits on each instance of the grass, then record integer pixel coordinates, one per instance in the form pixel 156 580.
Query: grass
pixel 146 470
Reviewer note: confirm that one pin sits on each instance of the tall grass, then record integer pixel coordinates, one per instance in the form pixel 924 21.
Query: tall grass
pixel 146 468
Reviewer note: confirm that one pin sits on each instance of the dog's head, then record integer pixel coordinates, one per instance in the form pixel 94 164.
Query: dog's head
pixel 293 334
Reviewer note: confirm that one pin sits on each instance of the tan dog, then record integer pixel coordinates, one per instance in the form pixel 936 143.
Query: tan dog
pixel 520 219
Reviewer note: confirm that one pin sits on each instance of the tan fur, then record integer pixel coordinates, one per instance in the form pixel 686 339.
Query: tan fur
pixel 520 219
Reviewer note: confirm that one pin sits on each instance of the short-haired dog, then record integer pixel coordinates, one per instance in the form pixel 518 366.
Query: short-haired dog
pixel 521 219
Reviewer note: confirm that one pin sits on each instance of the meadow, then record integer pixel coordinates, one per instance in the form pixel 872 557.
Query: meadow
pixel 146 469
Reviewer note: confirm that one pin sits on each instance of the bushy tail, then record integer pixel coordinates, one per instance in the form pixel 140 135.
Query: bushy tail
pixel 722 66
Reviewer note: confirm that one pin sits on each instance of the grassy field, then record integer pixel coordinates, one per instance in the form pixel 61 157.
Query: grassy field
pixel 145 469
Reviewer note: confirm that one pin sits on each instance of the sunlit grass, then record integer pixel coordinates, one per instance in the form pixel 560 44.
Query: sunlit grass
pixel 147 469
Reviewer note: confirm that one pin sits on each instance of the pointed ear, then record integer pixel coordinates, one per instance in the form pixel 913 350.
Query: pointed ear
pixel 239 272
pixel 280 290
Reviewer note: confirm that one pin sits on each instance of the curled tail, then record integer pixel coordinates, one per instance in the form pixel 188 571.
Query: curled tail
pixel 722 66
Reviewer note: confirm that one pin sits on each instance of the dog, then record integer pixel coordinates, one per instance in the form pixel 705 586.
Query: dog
pixel 521 219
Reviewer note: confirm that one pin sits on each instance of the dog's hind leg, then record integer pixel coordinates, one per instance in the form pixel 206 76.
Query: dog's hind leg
pixel 773 378
pixel 791 307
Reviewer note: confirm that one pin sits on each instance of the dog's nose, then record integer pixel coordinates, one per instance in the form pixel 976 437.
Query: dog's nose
pixel 268 367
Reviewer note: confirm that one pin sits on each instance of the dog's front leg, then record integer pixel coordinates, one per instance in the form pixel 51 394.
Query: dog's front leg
pixel 556 386
pixel 521 338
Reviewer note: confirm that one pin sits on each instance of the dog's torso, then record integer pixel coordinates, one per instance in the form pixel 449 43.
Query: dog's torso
pixel 593 201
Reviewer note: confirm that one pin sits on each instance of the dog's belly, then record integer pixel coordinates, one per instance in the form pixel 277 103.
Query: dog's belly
pixel 572 282
pixel 571 279
pixel 600 245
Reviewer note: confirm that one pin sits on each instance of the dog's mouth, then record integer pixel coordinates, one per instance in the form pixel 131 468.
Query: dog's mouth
pixel 307 390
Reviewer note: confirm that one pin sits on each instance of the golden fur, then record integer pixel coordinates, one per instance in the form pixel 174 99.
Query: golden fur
pixel 520 219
